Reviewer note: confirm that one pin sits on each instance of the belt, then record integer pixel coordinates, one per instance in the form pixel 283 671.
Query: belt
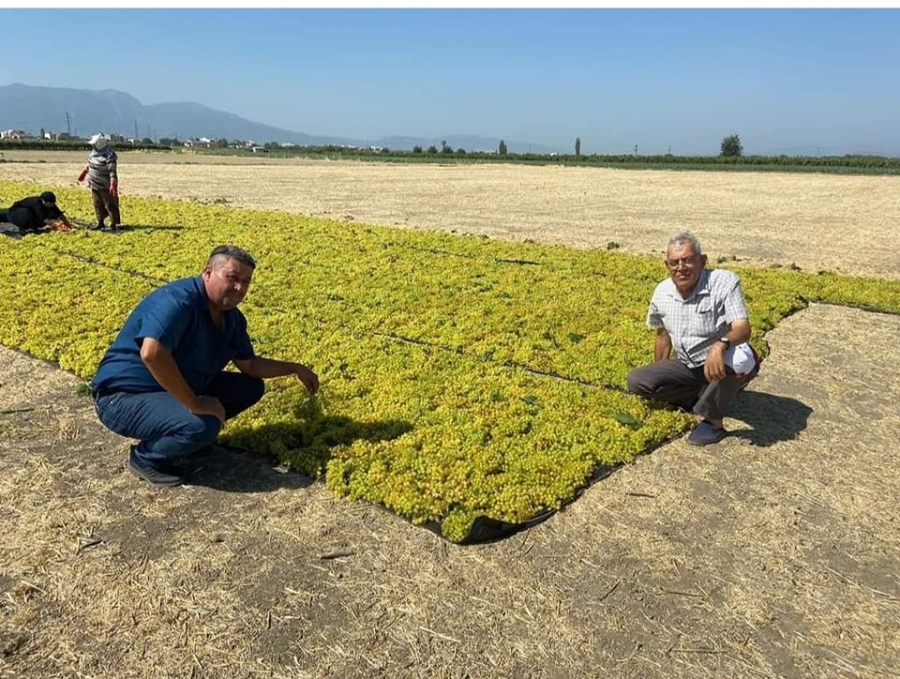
pixel 99 393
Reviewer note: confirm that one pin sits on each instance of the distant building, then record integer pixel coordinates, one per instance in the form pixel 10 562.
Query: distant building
pixel 13 134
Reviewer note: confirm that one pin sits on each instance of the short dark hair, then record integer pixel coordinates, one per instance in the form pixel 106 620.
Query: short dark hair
pixel 48 197
pixel 231 252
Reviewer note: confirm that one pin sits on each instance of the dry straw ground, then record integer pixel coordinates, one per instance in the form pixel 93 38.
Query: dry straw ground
pixel 775 553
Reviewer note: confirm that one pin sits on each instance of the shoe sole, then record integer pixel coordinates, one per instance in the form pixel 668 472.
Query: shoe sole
pixel 141 474
pixel 706 443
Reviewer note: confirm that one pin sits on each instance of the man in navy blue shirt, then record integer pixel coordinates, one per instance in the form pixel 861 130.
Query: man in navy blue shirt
pixel 163 380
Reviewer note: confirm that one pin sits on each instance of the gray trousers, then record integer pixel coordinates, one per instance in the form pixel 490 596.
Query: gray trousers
pixel 687 388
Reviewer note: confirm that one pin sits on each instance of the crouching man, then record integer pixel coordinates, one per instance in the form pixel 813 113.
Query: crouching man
pixel 701 314
pixel 163 381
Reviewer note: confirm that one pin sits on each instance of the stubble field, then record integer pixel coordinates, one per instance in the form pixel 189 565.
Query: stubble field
pixel 772 554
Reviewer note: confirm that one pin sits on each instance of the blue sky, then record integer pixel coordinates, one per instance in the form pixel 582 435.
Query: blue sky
pixel 787 81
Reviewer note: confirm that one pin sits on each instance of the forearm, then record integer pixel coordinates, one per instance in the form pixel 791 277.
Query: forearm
pixel 165 371
pixel 662 348
pixel 738 333
pixel 264 368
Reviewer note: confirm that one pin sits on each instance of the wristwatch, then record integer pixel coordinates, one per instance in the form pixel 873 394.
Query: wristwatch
pixel 725 341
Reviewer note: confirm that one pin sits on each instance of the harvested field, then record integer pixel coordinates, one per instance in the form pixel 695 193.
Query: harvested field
pixel 775 553
pixel 845 224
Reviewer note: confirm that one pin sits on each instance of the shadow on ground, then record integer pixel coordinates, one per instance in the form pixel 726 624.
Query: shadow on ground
pixel 772 418
pixel 235 470
pixel 307 446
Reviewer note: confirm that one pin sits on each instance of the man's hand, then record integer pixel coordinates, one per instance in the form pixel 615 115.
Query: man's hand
pixel 114 188
pixel 209 405
pixel 83 175
pixel 714 368
pixel 308 377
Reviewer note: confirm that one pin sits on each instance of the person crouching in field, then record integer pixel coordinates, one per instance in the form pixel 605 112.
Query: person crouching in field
pixel 31 215
pixel 701 314
pixel 163 380
pixel 101 173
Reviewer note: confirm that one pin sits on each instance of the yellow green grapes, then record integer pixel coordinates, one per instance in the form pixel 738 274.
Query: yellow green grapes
pixel 461 377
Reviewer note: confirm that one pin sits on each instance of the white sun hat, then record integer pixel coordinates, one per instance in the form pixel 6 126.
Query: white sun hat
pixel 740 358
pixel 98 141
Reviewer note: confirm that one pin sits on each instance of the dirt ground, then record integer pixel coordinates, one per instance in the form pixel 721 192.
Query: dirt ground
pixel 775 553
pixel 845 224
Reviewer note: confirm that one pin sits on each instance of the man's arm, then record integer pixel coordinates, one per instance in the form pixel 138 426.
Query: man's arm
pixel 165 371
pixel 714 366
pixel 662 348
pixel 57 215
pixel 264 368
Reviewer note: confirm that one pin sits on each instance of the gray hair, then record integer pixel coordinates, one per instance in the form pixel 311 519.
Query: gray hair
pixel 681 238
pixel 225 252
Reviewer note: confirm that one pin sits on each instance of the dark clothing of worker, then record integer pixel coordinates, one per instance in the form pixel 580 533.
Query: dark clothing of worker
pixel 30 214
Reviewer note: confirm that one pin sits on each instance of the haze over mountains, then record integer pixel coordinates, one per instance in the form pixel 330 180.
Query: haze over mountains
pixel 30 108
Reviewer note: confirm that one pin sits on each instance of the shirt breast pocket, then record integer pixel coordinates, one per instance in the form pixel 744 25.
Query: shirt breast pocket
pixel 704 322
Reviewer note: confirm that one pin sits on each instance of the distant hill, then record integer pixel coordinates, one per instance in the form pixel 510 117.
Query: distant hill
pixel 30 108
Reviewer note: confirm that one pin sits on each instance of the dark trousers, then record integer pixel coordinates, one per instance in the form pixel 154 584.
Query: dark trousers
pixel 106 205
pixel 687 388
pixel 168 431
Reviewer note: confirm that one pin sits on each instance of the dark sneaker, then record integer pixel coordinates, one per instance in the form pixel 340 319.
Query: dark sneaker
pixel 706 433
pixel 150 474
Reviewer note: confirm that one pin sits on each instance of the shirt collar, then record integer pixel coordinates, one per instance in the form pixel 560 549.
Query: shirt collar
pixel 202 298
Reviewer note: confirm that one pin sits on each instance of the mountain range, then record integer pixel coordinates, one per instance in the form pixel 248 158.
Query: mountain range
pixel 84 112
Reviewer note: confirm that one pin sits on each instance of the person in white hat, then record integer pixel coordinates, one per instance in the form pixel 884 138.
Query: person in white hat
pixel 701 315
pixel 103 179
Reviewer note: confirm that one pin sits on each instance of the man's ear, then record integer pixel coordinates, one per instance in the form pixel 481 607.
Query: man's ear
pixel 703 261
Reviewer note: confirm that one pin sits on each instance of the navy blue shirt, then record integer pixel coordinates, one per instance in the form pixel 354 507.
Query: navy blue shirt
pixel 176 315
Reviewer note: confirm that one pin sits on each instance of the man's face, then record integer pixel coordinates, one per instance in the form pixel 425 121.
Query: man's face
pixel 49 204
pixel 227 282
pixel 684 266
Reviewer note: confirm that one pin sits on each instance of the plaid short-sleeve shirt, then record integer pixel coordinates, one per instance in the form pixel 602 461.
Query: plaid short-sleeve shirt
pixel 696 323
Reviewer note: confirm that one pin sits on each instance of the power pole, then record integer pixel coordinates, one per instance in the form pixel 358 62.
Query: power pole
pixel 135 128
pixel 68 124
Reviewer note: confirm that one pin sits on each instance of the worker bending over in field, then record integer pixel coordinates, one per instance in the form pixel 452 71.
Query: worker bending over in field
pixel 32 214
pixel 163 381
pixel 103 179
pixel 701 314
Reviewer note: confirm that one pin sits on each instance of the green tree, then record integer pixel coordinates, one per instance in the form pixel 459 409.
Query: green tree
pixel 417 149
pixel 577 147
pixel 43 133
pixel 732 147
pixel 461 151
pixel 432 149
pixel 502 148
pixel 446 148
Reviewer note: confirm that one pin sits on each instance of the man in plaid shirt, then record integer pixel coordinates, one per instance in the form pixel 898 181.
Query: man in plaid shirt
pixel 700 314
